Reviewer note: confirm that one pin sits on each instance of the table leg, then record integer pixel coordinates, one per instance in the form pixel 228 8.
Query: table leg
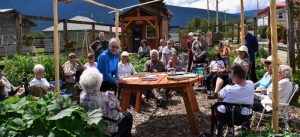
pixel 191 115
pixel 193 100
pixel 138 101
pixel 125 99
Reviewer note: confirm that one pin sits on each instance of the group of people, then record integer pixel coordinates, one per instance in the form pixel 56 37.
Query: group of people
pixel 106 68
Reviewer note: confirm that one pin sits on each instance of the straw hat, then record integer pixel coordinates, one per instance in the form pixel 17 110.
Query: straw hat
pixel 124 53
pixel 243 48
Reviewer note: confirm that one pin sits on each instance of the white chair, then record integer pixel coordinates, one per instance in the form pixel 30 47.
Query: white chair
pixel 283 115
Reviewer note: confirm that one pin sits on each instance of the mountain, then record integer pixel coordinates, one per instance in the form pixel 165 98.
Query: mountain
pixel 249 13
pixel 68 10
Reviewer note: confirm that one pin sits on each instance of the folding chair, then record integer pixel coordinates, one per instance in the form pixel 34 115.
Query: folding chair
pixel 283 115
pixel 232 116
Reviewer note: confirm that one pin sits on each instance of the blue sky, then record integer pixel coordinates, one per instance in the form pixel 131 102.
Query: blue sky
pixel 230 6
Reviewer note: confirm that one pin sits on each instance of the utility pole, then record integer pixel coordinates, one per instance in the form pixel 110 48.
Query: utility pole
pixel 217 16
pixel 208 16
pixel 225 14
pixel 290 36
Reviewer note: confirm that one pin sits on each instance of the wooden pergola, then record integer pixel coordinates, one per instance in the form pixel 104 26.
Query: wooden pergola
pixel 273 20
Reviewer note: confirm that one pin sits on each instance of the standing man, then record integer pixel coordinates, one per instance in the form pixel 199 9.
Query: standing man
pixel 252 45
pixel 190 53
pixel 199 49
pixel 99 45
pixel 167 52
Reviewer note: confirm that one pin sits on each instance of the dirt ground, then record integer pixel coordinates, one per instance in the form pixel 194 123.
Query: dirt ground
pixel 172 120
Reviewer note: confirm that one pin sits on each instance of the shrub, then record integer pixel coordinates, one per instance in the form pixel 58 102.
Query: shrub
pixel 49 116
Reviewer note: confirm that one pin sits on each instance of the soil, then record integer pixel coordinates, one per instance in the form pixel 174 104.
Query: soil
pixel 172 120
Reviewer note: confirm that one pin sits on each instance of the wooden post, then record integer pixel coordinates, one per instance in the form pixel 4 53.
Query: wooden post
pixel 239 33
pixel 93 32
pixel 65 26
pixel 56 47
pixel 290 36
pixel 123 37
pixel 270 45
pixel 255 26
pixel 217 16
pixel 117 23
pixel 242 23
pixel 19 33
pixel 275 102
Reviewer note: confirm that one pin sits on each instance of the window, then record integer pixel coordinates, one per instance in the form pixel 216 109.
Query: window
pixel 280 16
pixel 150 32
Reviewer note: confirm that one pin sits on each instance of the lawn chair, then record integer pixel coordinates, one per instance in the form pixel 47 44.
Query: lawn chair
pixel 200 69
pixel 232 116
pixel 283 115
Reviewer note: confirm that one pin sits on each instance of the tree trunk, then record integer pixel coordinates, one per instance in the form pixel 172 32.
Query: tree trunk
pixel 290 36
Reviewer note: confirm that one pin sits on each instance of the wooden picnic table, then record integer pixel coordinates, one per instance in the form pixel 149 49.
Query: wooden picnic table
pixel 135 84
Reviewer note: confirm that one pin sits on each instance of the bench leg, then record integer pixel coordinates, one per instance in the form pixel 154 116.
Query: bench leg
pixel 138 101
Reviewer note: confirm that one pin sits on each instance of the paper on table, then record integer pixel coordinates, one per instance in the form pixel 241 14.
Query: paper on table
pixel 131 78
pixel 162 74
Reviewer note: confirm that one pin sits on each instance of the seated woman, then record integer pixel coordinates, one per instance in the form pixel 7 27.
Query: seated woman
pixel 91 63
pixel 174 63
pixel 242 59
pixel 91 98
pixel 39 85
pixel 125 67
pixel 242 92
pixel 215 66
pixel 285 89
pixel 262 85
pixel 7 90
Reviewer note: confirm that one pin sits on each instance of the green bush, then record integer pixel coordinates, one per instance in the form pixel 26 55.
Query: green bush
pixel 140 66
pixel 49 116
pixel 22 66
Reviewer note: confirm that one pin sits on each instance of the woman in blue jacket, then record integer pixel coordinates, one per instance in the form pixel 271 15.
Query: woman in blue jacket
pixel 107 64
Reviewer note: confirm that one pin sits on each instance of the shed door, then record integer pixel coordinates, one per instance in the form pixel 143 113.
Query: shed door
pixel 136 37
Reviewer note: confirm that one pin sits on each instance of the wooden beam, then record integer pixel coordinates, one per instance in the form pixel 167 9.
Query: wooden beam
pixel 99 4
pixel 275 100
pixel 93 32
pixel 127 24
pixel 138 12
pixel 56 47
pixel 156 28
pixel 40 18
pixel 65 27
pixel 152 24
pixel 117 23
pixel 19 33
pixel 290 36
pixel 242 23
pixel 139 18
pixel 123 36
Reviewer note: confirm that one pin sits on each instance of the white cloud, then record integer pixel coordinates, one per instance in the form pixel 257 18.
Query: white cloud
pixel 231 6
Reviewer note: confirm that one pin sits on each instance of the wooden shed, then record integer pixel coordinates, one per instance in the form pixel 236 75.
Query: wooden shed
pixel 13 29
pixel 150 22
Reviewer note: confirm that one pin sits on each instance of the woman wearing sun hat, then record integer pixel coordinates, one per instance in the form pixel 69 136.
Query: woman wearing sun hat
pixel 223 78
pixel 125 67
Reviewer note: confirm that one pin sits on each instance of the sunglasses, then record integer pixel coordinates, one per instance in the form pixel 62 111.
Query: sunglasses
pixel 72 57
pixel 170 43
pixel 115 47
pixel 268 63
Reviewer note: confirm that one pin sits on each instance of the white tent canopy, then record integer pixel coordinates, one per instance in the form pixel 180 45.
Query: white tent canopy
pixel 74 26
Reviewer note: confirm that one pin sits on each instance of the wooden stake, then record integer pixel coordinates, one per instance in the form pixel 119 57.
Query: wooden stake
pixel 275 101
pixel 56 47
pixel 99 4
pixel 117 23
pixel 242 24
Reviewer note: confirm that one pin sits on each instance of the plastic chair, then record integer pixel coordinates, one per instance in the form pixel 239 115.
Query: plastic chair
pixel 283 115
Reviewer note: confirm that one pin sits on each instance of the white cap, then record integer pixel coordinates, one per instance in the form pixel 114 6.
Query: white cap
pixel 124 53
pixel 243 48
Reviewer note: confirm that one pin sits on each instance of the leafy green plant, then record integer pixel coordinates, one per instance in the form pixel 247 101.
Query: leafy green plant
pixel 140 66
pixel 49 116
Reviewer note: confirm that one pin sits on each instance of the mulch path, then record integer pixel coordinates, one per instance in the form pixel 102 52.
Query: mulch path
pixel 172 120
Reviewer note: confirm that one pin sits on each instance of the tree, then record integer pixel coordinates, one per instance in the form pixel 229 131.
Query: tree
pixel 262 31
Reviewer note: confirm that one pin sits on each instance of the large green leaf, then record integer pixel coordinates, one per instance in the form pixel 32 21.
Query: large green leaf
pixel 94 117
pixel 74 123
pixel 64 113
pixel 11 100
pixel 16 124
pixel 55 132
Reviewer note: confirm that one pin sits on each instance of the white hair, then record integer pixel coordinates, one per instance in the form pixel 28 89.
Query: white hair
pixel 152 51
pixel 91 80
pixel 101 34
pixel 38 68
pixel 113 41
pixel 286 70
